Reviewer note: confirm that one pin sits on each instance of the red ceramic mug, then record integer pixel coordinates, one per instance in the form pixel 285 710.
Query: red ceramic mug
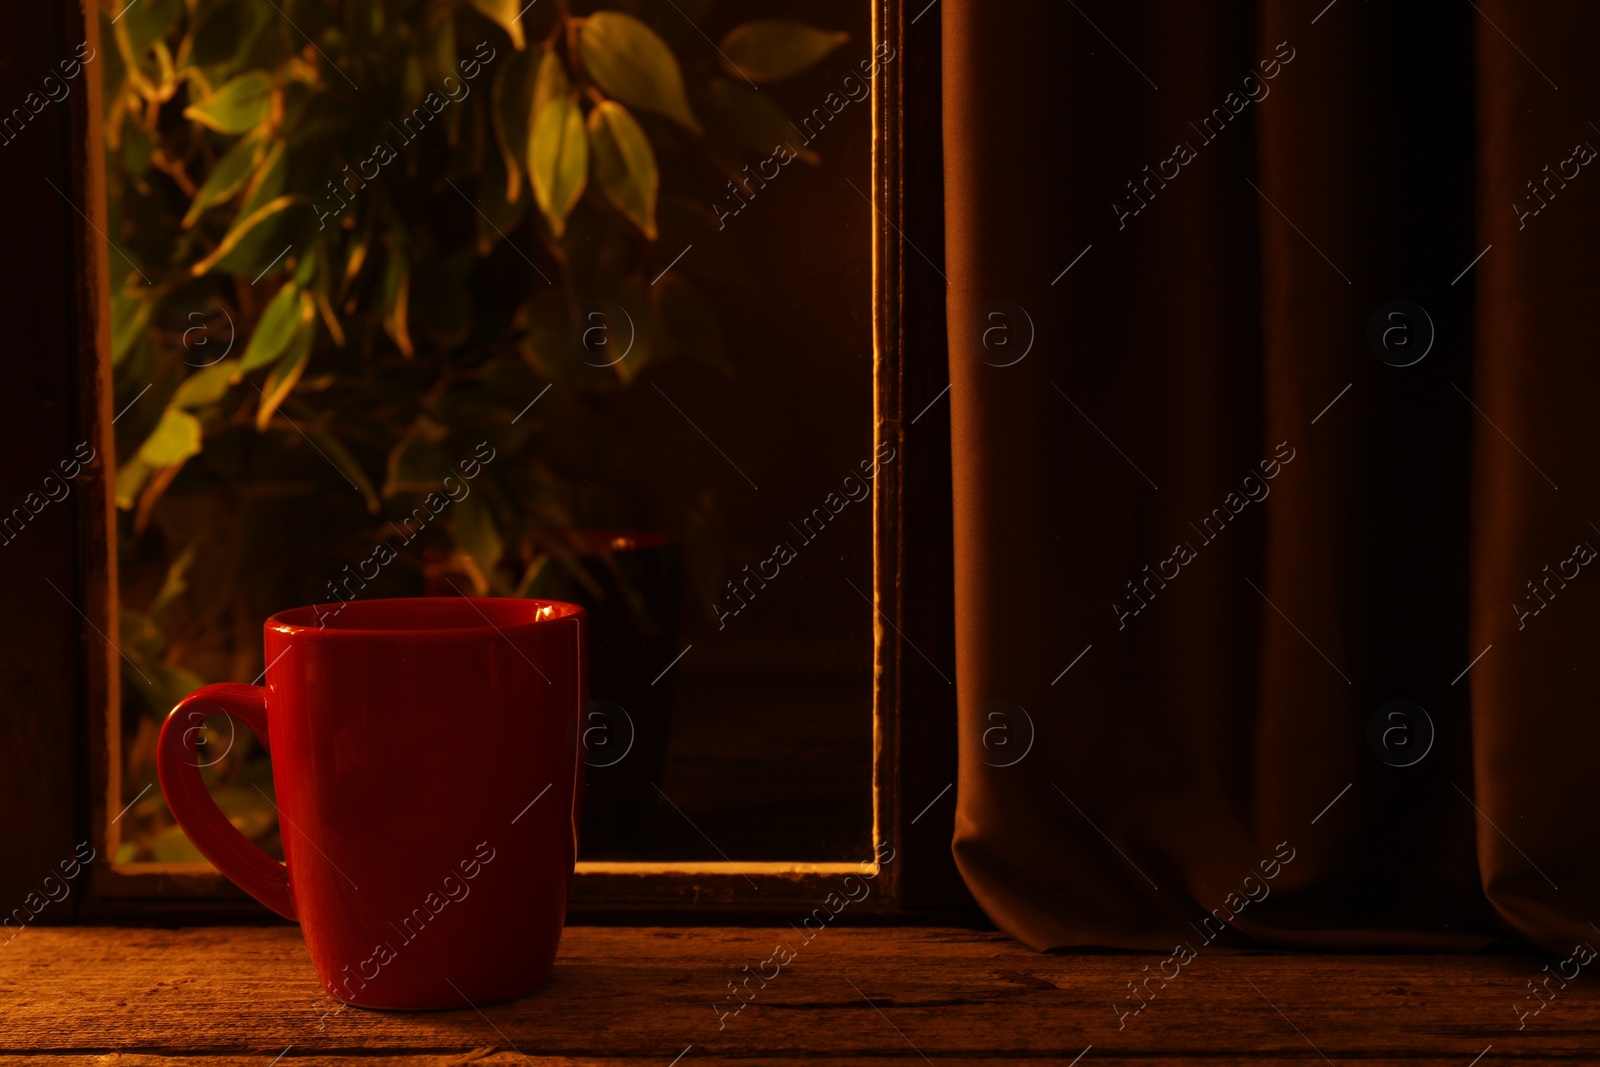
pixel 425 756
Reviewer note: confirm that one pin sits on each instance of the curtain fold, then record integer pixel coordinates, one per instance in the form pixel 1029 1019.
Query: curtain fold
pixel 1536 692
pixel 1256 449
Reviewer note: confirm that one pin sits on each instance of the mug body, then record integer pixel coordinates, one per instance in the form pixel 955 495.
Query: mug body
pixel 425 756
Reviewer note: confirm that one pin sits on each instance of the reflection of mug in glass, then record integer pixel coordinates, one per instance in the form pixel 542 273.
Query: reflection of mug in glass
pixel 426 762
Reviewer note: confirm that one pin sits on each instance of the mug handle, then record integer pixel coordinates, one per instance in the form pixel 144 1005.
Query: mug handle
pixel 217 839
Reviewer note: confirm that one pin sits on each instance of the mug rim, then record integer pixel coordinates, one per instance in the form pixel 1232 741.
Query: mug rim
pixel 303 621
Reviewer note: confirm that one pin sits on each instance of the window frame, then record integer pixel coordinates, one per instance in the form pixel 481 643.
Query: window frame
pixel 62 676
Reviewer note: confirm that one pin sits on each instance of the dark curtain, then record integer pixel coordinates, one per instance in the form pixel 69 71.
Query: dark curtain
pixel 1235 502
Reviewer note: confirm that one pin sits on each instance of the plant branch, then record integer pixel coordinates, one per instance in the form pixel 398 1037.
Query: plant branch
pixel 174 169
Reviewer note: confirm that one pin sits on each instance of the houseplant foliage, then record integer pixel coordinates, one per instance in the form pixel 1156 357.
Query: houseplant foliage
pixel 357 252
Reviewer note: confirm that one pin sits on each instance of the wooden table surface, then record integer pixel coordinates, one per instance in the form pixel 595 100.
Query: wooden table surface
pixel 884 996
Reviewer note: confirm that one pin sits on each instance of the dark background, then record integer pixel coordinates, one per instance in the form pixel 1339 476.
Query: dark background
pixel 772 737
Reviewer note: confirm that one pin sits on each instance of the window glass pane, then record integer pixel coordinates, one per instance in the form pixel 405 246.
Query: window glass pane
pixel 407 302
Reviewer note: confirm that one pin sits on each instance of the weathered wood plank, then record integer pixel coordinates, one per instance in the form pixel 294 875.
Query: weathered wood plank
pixel 863 994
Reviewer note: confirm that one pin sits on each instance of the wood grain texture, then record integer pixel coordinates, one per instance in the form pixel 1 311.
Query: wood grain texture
pixel 884 996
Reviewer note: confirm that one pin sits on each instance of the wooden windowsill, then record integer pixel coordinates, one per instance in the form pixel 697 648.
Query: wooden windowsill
pixel 888 996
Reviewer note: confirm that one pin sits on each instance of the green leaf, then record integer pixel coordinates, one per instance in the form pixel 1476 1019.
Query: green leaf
pixel 227 177
pixel 242 229
pixel 397 299
pixel 276 328
pixel 770 50
pixel 285 374
pixel 443 33
pixel 141 638
pixel 512 117
pixel 320 296
pixel 473 529
pixel 138 68
pixel 505 13
pixel 176 438
pixel 270 179
pixel 550 83
pixel 175 584
pixel 206 386
pixel 131 477
pixel 225 33
pixel 349 466
pixel 172 845
pixel 305 272
pixel 253 238
pixel 235 107
pixel 355 260
pixel 416 462
pixel 412 81
pixel 632 64
pixel 624 165
pixel 499 215
pixel 251 812
pixel 752 119
pixel 558 161
pixel 146 20
pixel 137 148
pixel 130 314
